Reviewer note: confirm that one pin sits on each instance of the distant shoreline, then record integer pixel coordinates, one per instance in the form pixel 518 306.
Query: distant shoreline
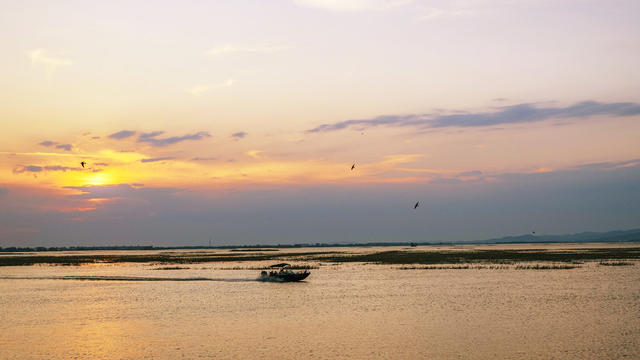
pixel 617 236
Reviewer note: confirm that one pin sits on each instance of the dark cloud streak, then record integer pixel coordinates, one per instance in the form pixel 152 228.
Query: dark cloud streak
pixel 513 114
pixel 156 159
pixel 152 139
pixel 239 135
pixel 66 147
pixel 122 134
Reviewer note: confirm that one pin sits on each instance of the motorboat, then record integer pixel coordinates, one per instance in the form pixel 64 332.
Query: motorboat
pixel 283 274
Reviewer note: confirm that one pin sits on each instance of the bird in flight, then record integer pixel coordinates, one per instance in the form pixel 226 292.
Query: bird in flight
pixel 83 163
pixel 353 166
pixel 416 205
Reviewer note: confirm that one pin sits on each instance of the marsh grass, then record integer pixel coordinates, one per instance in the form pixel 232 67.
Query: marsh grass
pixel 483 256
pixel 460 257
pixel 616 263
pixel 546 267
pixel 292 267
pixel 253 250
pixel 164 259
pixel 456 267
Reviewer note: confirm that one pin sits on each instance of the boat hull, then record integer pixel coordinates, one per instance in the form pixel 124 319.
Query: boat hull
pixel 284 277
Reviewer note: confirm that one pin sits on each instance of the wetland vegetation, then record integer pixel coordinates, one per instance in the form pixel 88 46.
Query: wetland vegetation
pixel 462 258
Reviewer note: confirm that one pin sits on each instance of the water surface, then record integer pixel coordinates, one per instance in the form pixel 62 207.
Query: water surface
pixel 351 310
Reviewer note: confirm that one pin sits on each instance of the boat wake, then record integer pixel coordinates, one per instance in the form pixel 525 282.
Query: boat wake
pixel 123 278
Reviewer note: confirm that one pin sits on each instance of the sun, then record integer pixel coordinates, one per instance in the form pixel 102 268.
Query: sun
pixel 98 179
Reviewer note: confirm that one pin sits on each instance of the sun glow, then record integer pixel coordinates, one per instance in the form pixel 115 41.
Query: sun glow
pixel 98 179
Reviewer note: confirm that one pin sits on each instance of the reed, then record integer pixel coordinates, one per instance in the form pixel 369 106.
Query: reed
pixel 546 267
pixel 616 263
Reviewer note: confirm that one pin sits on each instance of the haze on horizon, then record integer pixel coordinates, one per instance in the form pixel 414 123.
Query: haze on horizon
pixel 241 120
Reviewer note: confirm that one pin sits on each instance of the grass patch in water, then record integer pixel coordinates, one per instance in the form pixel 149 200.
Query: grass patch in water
pixel 616 263
pixel 483 256
pixel 292 267
pixel 456 267
pixel 253 250
pixel 460 257
pixel 546 267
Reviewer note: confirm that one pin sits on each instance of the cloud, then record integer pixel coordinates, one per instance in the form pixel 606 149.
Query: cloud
pixel 470 173
pixel 352 5
pixel 4 191
pixel 230 49
pixel 609 165
pixel 201 89
pixel 514 114
pixel 151 134
pixel 156 159
pixel 152 139
pixel 122 134
pixel 30 168
pixel 40 57
pixel 101 164
pixel 204 158
pixel 61 168
pixel 239 135
pixel 49 143
pixel 36 168
pixel 64 146
pixel 254 153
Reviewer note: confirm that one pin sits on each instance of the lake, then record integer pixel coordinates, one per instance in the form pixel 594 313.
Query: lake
pixel 343 310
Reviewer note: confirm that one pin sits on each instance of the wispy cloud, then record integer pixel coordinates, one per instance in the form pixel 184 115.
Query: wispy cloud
pixel 122 134
pixel 230 49
pixel 470 173
pixel 239 135
pixel 66 147
pixel 151 134
pixel 152 138
pixel 352 5
pixel 514 114
pixel 61 168
pixel 49 143
pixel 201 89
pixel 157 159
pixel 41 57
pixel 609 165
pixel 254 153
pixel 30 168
pixel 37 169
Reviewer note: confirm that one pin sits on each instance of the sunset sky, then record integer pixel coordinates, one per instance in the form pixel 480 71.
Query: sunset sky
pixel 241 119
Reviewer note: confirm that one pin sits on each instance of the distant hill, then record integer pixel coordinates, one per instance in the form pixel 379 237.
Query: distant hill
pixel 609 236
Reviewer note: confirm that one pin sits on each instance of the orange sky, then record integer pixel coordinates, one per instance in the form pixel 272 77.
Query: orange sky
pixel 288 94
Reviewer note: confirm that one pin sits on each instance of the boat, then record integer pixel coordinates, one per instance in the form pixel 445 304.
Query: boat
pixel 283 275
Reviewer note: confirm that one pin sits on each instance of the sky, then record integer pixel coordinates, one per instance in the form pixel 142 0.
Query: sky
pixel 240 120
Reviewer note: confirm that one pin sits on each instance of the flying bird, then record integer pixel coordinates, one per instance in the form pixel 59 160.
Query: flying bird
pixel 416 205
pixel 353 166
pixel 83 163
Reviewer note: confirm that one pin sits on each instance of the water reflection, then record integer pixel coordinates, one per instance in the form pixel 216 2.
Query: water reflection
pixel 360 311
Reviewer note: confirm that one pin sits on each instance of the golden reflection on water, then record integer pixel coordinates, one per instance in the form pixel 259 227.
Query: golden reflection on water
pixel 345 311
